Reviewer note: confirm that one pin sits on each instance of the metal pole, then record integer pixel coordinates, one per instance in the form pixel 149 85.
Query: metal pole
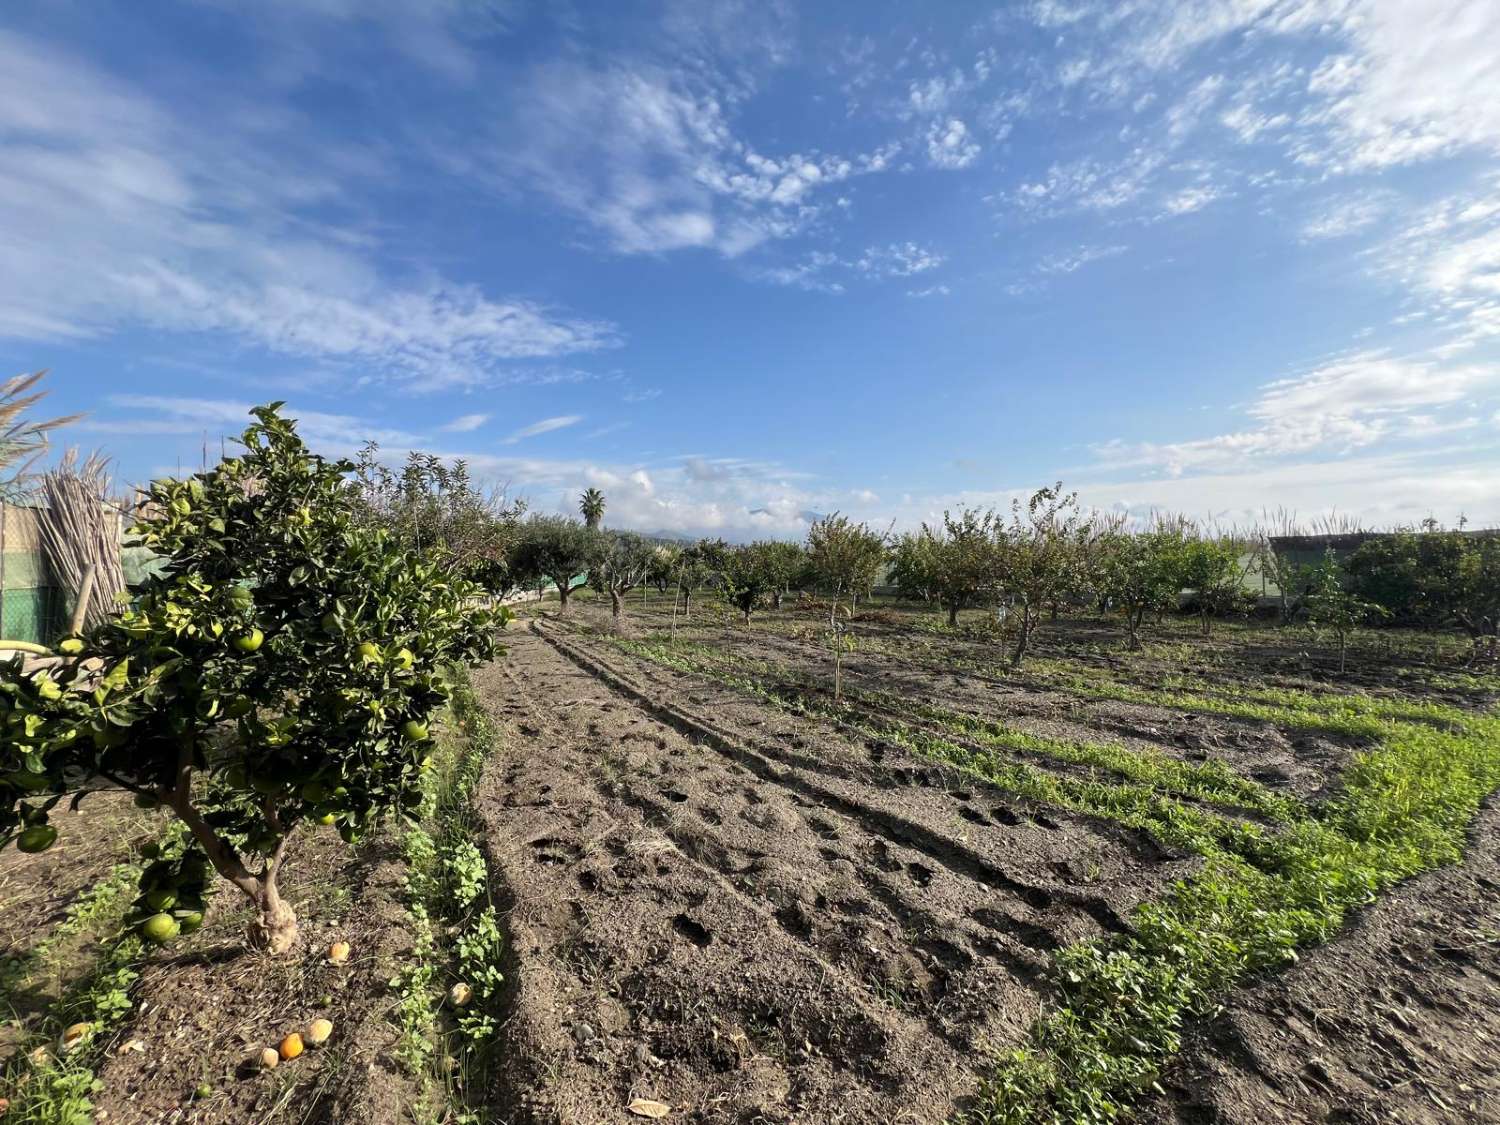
pixel 2 568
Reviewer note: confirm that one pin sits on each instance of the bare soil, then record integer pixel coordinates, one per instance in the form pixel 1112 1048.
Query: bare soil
pixel 749 917
pixel 755 916
pixel 203 1006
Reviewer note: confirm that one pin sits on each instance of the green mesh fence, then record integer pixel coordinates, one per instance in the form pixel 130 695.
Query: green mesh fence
pixel 34 615
pixel 30 607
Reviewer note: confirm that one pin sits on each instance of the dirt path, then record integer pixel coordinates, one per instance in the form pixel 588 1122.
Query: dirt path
pixel 747 917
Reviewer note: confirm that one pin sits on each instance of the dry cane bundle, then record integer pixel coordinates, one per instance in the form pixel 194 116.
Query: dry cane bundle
pixel 80 527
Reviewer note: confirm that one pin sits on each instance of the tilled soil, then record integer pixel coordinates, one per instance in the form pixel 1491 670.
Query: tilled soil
pixel 1398 1021
pixel 1301 765
pixel 750 918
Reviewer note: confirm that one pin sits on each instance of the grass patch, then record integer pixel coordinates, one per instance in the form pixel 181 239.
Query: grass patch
pixel 449 1047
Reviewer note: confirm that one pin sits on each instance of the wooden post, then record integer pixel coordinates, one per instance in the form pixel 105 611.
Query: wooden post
pixel 81 606
pixel 676 597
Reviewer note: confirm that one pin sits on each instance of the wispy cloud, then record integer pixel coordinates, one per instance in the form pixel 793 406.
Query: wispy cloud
pixel 120 213
pixel 648 156
pixel 545 426
pixel 899 259
pixel 167 414
pixel 950 144
pixel 1343 405
pixel 466 423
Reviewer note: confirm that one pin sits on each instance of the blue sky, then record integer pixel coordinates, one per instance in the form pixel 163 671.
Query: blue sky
pixel 738 262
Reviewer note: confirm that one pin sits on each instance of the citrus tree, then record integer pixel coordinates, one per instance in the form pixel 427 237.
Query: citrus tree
pixel 785 563
pixel 699 566
pixel 284 667
pixel 913 559
pixel 666 564
pixel 747 574
pixel 1212 568
pixel 1433 577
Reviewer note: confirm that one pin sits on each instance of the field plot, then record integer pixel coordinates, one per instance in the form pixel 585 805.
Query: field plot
pixel 737 899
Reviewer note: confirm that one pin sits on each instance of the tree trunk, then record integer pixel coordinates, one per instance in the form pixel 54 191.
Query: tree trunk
pixel 953 615
pixel 1343 652
pixel 617 612
pixel 776 599
pixel 275 929
pixel 746 611
pixel 1134 618
pixel 564 591
pixel 1021 643
pixel 275 926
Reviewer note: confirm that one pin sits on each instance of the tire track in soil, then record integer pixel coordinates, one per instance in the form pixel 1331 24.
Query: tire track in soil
pixel 748 929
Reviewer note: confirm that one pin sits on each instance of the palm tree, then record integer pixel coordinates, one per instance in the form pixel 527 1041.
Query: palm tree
pixel 591 504
pixel 21 439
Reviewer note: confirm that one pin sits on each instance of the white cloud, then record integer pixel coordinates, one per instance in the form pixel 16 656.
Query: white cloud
pixel 930 291
pixel 1448 260
pixel 120 213
pixel 1090 184
pixel 466 423
pixel 1420 81
pixel 648 157
pixel 191 417
pixel 898 259
pixel 819 271
pixel 949 144
pixel 1076 259
pixel 545 426
pixel 1381 490
pixel 1249 125
pixel 1389 82
pixel 1191 199
pixel 1343 405
pixel 1349 216
pixel 810 273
